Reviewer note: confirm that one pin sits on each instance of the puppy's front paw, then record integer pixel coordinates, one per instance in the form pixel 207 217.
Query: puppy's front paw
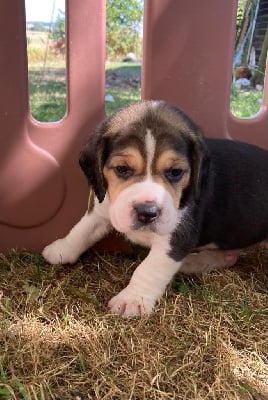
pixel 60 252
pixel 129 303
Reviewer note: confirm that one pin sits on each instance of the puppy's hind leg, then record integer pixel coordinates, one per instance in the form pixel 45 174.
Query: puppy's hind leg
pixel 92 227
pixel 264 244
pixel 209 260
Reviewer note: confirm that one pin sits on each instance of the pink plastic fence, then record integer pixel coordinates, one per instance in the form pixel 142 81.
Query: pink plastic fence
pixel 188 52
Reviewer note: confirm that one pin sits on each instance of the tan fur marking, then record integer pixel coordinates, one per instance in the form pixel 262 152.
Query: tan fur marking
pixel 129 157
pixel 170 159
pixel 132 158
pixel 174 190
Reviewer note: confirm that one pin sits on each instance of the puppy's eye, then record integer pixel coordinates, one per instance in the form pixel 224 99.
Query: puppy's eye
pixel 173 175
pixel 123 171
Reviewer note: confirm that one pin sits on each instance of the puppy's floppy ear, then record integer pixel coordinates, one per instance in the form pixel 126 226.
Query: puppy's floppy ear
pixel 200 159
pixel 92 159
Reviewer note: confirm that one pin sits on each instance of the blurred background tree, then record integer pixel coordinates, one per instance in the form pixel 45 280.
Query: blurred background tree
pixel 58 30
pixel 123 27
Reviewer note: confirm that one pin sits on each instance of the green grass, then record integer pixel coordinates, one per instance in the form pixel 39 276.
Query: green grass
pixel 125 69
pixel 48 101
pixel 48 90
pixel 125 92
pixel 122 97
pixel 245 103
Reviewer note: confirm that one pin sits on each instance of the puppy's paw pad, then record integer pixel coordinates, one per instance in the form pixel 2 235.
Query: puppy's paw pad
pixel 59 252
pixel 129 304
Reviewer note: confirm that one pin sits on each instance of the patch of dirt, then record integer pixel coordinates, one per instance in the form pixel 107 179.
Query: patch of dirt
pixel 124 77
pixel 117 79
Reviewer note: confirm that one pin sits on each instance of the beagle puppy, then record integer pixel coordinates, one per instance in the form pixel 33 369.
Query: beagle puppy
pixel 159 182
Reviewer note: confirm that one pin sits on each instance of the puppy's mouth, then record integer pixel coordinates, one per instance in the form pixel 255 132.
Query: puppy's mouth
pixel 138 226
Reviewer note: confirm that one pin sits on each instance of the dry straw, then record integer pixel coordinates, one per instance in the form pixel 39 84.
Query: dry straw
pixel 206 340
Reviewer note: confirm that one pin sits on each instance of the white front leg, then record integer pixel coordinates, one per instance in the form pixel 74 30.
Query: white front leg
pixel 148 282
pixel 90 229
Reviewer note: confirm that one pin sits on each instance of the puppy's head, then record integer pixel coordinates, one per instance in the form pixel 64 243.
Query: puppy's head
pixel 149 159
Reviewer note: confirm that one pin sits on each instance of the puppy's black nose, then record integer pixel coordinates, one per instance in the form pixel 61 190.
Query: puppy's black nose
pixel 147 212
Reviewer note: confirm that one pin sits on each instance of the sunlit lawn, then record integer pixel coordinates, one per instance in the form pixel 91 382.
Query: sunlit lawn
pixel 48 91
pixel 245 103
